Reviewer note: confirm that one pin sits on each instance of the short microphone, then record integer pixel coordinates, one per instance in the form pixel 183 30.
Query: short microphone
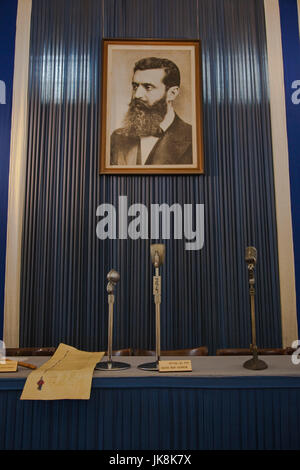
pixel 113 278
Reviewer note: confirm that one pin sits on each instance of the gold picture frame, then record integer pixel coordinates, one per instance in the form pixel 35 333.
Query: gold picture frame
pixel 152 108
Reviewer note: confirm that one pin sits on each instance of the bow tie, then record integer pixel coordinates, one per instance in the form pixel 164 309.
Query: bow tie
pixel 158 133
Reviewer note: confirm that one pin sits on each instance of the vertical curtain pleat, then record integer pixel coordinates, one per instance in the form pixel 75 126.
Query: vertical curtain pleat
pixel 194 418
pixel 64 264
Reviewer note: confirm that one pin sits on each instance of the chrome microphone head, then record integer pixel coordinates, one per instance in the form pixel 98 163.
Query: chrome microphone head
pixel 157 252
pixel 113 276
pixel 250 255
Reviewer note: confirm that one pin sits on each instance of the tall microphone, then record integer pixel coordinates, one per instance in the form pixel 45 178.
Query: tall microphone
pixel 157 253
pixel 251 258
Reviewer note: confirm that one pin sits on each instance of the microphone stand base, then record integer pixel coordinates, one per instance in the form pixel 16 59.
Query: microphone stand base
pixel 149 366
pixel 255 364
pixel 112 365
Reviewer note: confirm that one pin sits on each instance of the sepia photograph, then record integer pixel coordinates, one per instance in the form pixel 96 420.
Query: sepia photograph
pixel 151 107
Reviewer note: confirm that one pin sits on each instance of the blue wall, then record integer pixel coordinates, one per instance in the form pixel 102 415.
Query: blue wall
pixel 204 294
pixel 8 14
pixel 291 62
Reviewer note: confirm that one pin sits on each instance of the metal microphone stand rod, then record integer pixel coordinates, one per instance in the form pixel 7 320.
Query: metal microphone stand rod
pixel 111 300
pixel 157 302
pixel 252 307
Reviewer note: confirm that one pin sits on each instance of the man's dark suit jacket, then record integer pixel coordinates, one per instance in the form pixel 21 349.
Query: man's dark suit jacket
pixel 173 148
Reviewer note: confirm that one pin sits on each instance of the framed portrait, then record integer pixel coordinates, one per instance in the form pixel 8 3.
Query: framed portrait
pixel 151 119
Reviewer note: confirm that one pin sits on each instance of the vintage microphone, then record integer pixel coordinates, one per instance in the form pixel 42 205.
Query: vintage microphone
pixel 250 258
pixel 157 252
pixel 113 278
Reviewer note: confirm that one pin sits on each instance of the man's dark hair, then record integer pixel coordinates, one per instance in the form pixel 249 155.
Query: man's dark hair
pixel 172 74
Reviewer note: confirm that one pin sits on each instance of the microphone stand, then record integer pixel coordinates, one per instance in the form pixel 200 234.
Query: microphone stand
pixel 157 255
pixel 254 363
pixel 113 277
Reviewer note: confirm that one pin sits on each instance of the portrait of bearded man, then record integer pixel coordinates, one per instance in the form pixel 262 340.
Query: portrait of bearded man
pixel 152 132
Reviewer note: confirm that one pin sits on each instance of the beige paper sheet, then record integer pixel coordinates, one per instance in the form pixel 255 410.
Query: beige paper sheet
pixel 67 375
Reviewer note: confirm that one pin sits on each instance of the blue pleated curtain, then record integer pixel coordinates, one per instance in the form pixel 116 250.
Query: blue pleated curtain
pixel 64 265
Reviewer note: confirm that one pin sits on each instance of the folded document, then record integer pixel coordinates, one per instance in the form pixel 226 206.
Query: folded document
pixel 67 375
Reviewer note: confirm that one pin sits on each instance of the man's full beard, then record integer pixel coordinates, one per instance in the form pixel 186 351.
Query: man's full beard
pixel 143 120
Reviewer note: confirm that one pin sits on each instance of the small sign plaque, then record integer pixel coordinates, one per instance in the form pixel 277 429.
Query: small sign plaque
pixel 175 366
pixel 8 366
